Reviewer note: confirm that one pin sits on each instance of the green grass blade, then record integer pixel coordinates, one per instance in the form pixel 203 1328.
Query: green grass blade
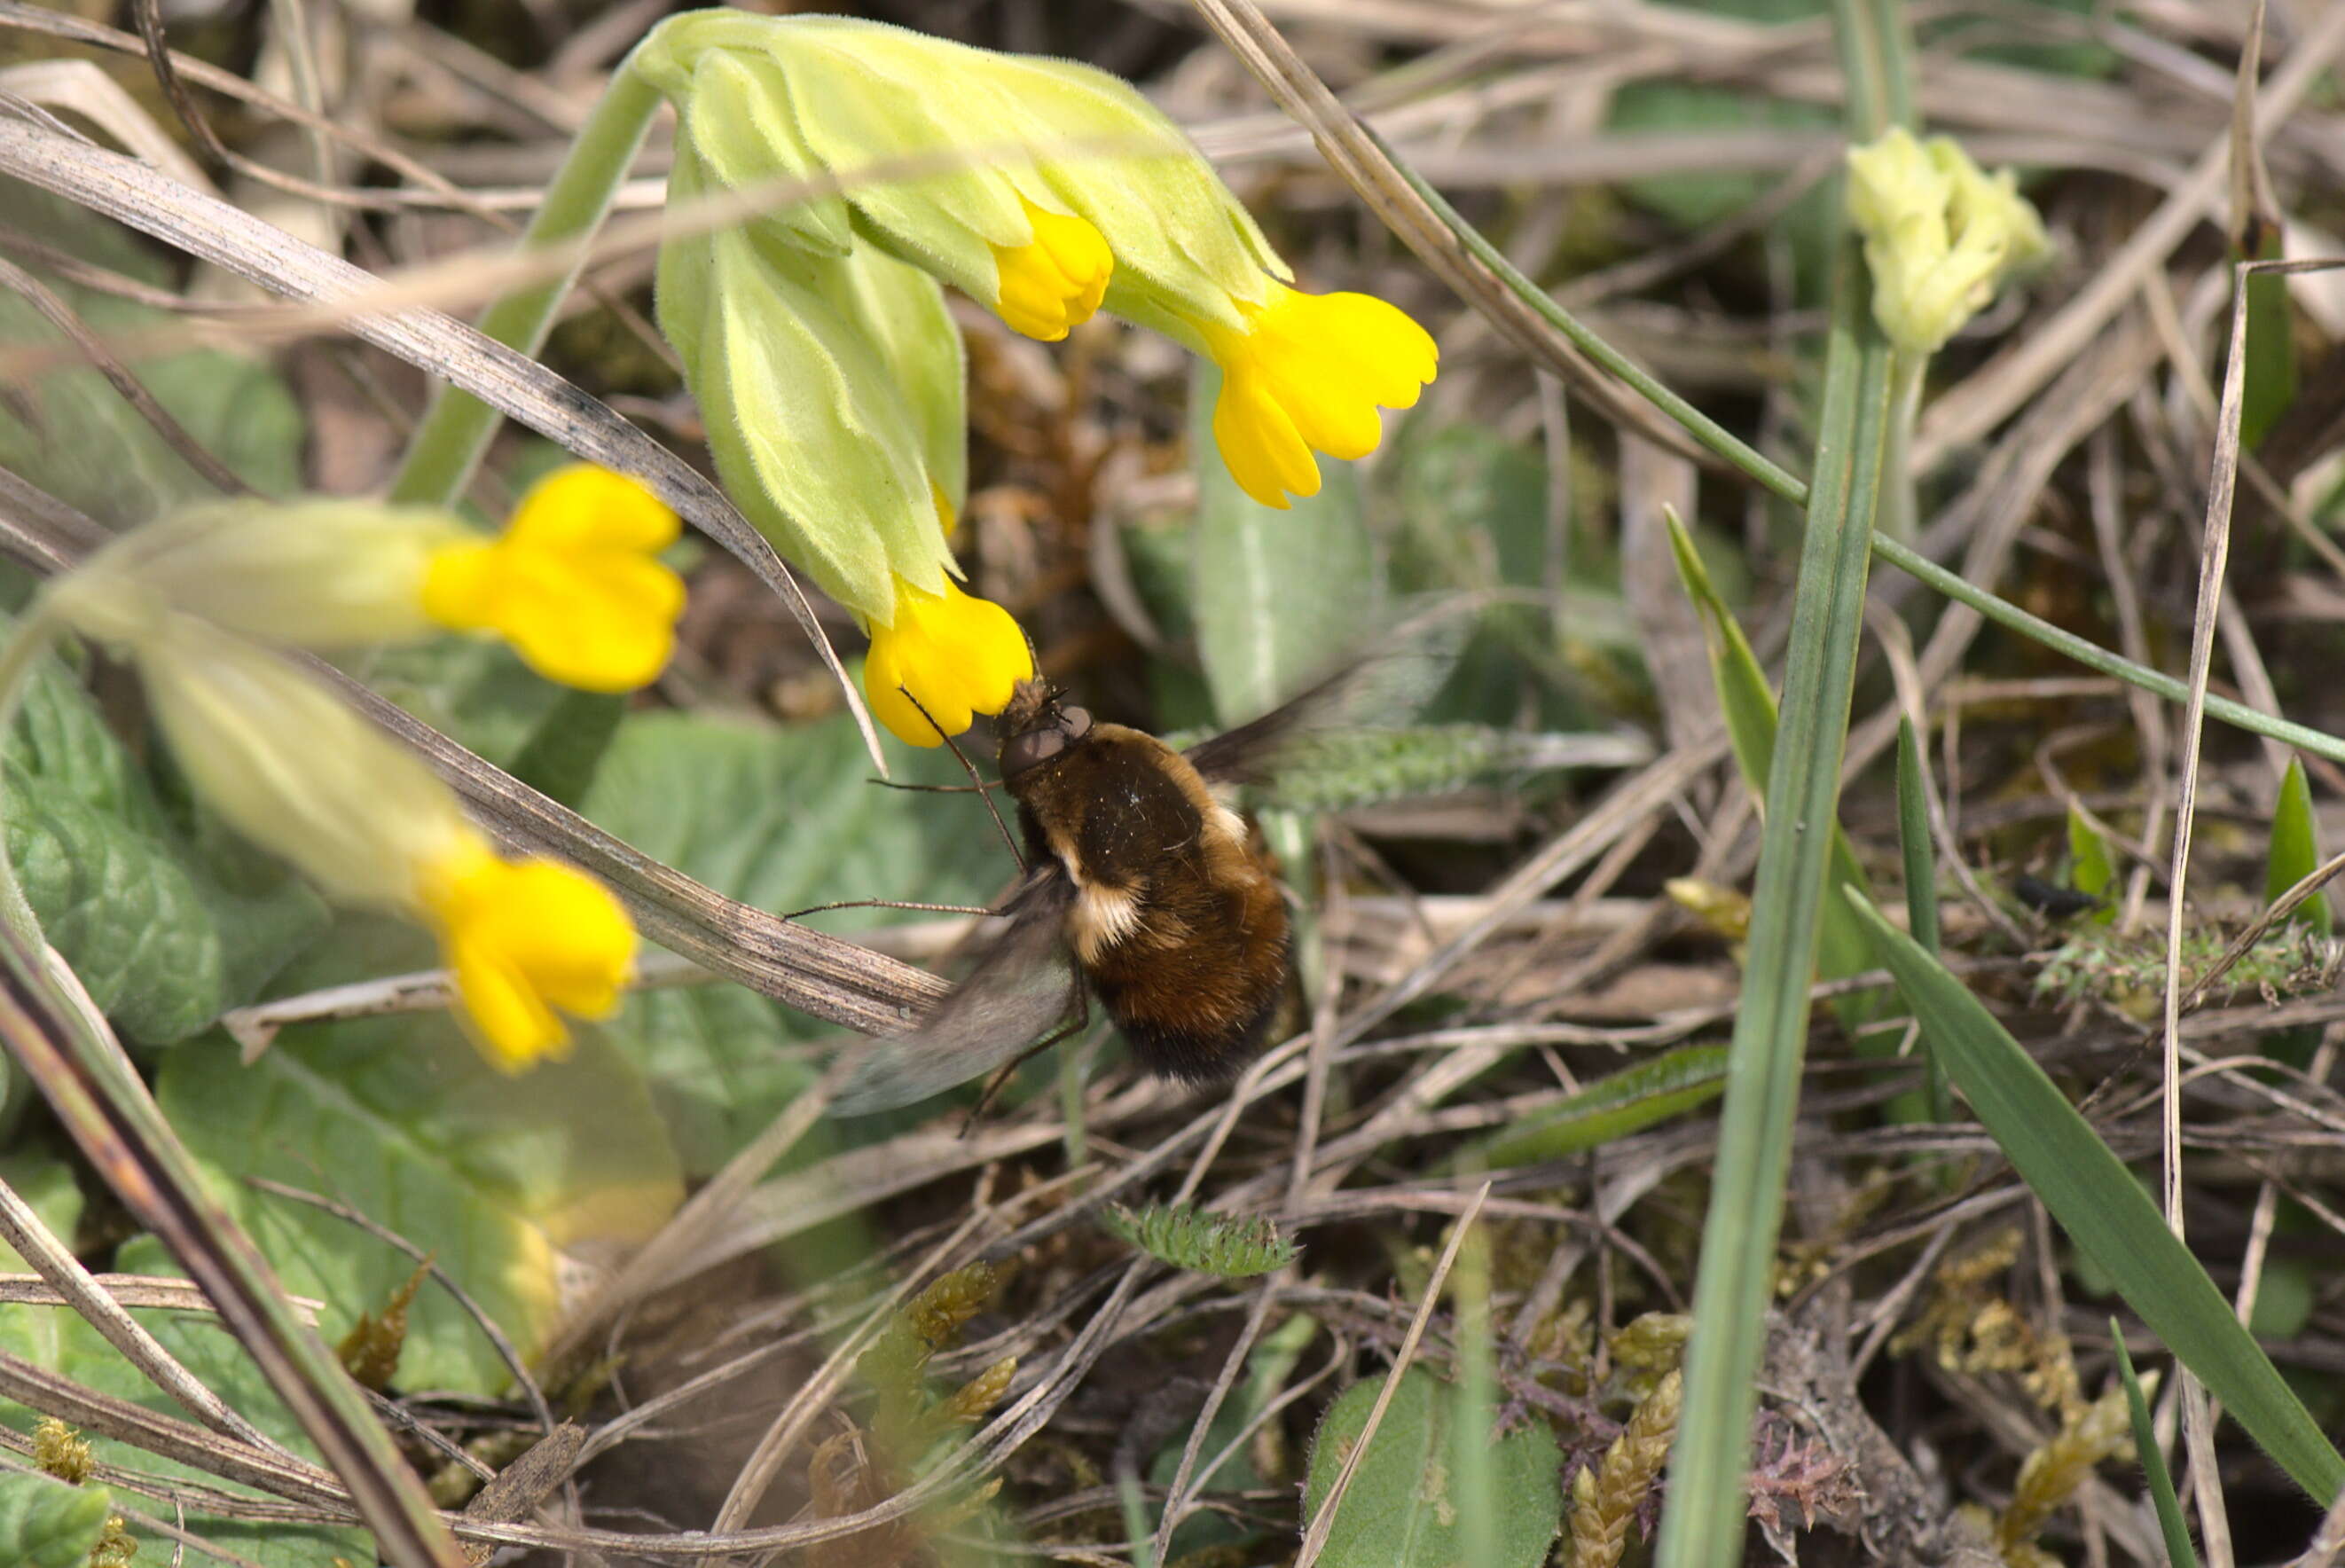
pixel 2105 1211
pixel 2092 870
pixel 1748 704
pixel 2295 852
pixel 2180 1552
pixel 1920 862
pixel 1703 1524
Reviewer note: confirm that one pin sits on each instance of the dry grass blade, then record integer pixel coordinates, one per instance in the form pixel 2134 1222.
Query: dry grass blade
pixel 203 226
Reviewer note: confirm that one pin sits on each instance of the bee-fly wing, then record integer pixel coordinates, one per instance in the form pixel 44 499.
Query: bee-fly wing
pixel 1377 687
pixel 1024 983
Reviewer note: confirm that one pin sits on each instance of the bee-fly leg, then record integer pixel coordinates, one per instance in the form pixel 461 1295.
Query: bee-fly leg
pixel 984 791
pixel 1000 1078
pixel 889 904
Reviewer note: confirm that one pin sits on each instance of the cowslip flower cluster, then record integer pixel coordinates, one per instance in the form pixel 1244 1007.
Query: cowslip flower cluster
pixel 816 337
pixel 200 605
pixel 1940 234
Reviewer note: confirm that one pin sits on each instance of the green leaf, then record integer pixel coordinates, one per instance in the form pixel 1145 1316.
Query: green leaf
pixel 2091 870
pixel 1612 1107
pixel 47 1187
pixel 46 1524
pixel 58 1339
pixel 2270 370
pixel 1278 596
pixel 1400 1511
pixel 559 760
pixel 2296 851
pixel 1230 1246
pixel 507 1184
pixel 71 433
pixel 476 692
pixel 165 930
pixel 2105 1211
pixel 783 819
pixel 2180 1552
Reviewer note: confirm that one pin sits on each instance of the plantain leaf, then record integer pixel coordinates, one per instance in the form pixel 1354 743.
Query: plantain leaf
pixel 58 1339
pixel 2104 1209
pixel 401 1119
pixel 46 1524
pixel 1279 597
pixel 1612 1107
pixel 1401 1510
pixel 1748 704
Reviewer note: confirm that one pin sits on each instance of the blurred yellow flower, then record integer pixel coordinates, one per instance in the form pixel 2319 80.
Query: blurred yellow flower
pixel 942 659
pixel 523 939
pixel 292 766
pixel 574 583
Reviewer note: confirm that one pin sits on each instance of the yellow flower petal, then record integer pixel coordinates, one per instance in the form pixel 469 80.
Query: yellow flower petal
pixel 951 655
pixel 1307 374
pixel 573 582
pixel 525 939
pixel 1056 281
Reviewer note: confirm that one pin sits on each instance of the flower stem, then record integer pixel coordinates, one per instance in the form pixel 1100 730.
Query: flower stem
pixel 456 430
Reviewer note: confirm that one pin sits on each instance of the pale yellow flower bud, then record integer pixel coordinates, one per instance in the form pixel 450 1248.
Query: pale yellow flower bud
pixel 1940 234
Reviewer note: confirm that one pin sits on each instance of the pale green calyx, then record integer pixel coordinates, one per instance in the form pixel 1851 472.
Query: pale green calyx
pixel 1036 187
pixel 1940 234
pixel 832 385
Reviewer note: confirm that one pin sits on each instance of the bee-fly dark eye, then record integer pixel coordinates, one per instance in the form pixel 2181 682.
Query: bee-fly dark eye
pixel 1035 747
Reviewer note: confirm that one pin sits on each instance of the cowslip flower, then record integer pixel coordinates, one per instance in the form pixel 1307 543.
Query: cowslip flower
pixel 1940 234
pixel 571 584
pixel 834 391
pixel 296 770
pixel 1044 190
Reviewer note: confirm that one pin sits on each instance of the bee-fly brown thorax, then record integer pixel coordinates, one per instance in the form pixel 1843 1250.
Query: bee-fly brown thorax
pixel 1036 727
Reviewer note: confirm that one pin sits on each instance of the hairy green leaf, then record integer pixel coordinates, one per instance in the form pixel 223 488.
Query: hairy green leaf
pixel 1278 596
pixel 1612 1107
pixel 782 819
pixel 167 927
pixel 45 1524
pixel 1232 1246
pixel 507 1185
pixel 57 1339
pixel 1401 1509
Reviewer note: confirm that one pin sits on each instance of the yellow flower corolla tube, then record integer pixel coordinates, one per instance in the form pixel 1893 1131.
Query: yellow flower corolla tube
pixel 1307 373
pixel 574 583
pixel 951 655
pixel 295 769
pixel 1044 190
pixel 1940 234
